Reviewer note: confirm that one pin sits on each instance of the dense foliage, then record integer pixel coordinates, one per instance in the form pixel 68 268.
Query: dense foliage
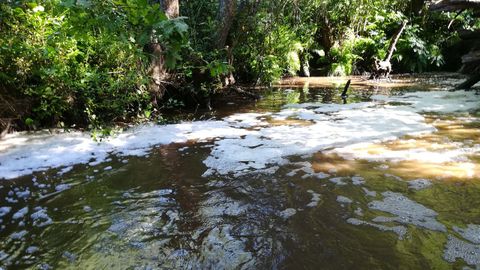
pixel 86 62
pixel 81 62
pixel 271 39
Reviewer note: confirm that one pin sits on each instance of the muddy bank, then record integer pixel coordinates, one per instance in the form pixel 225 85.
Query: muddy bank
pixel 430 81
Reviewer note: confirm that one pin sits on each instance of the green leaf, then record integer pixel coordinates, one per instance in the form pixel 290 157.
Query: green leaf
pixel 29 122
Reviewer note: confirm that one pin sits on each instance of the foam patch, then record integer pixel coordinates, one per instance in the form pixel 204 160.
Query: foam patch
pixel 244 143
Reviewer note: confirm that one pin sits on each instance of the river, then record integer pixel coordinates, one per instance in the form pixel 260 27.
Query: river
pixel 296 180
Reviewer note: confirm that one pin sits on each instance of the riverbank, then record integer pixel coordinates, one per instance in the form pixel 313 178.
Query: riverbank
pixel 430 81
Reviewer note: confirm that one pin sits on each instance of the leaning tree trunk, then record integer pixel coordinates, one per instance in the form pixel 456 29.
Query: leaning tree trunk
pixel 385 67
pixel 393 44
pixel 157 69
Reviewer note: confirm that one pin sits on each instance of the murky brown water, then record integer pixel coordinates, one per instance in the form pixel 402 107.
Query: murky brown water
pixel 159 212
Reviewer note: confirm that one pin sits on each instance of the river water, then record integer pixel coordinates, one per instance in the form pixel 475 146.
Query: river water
pixel 297 180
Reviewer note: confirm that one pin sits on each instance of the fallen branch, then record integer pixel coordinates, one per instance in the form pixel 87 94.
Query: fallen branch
pixel 469 82
pixel 345 90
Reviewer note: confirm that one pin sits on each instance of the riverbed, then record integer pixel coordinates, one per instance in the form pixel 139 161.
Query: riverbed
pixel 388 178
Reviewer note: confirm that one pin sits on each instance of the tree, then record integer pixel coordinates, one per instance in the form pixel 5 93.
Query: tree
pixel 171 8
pixel 385 67
pixel 157 70
pixel 226 14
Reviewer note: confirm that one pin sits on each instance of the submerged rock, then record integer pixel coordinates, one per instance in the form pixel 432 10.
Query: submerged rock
pixel 395 177
pixel 23 194
pixel 217 206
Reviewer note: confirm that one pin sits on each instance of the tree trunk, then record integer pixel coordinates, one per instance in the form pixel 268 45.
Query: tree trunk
pixel 324 35
pixel 469 82
pixel 157 70
pixel 226 14
pixel 385 67
pixel 393 44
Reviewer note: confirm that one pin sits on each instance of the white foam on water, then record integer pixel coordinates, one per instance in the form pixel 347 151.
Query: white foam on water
pixel 458 249
pixel 419 184
pixel 344 200
pixel 18 235
pixel 401 231
pixel 436 101
pixel 406 211
pixel 40 218
pixel 20 213
pixel 244 142
pixel 62 187
pixel 31 249
pixel 272 145
pixel 23 153
pixel 315 198
pixel 471 233
pixel 4 210
pixel 288 213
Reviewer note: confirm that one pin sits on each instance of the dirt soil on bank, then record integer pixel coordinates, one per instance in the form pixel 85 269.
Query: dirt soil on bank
pixel 428 80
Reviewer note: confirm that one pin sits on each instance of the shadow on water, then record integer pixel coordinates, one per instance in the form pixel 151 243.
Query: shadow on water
pixel 320 211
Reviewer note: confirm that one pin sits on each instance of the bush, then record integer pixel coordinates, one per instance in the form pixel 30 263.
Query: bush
pixel 82 63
